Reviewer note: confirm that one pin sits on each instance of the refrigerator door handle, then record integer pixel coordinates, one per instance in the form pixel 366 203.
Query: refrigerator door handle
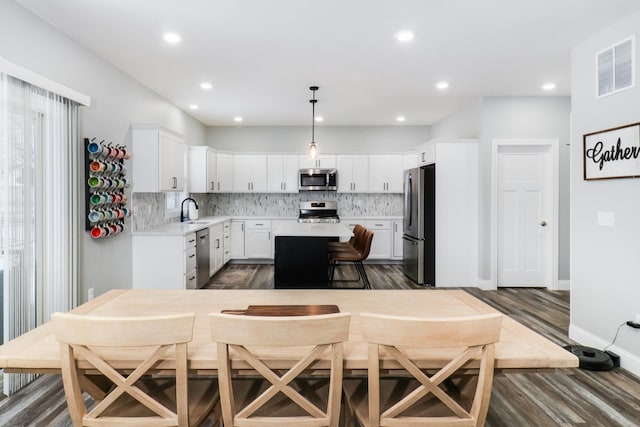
pixel 408 199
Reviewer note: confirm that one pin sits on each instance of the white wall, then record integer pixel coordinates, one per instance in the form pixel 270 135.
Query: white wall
pixel 330 139
pixel 117 102
pixel 542 117
pixel 464 124
pixel 605 266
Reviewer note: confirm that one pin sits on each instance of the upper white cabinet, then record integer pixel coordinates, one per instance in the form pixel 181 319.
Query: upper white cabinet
pixel 324 161
pixel 385 173
pixel 224 173
pixel 282 173
pixel 353 173
pixel 249 173
pixel 158 159
pixel 202 170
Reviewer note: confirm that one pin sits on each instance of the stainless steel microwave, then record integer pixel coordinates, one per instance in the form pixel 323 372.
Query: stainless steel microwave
pixel 318 180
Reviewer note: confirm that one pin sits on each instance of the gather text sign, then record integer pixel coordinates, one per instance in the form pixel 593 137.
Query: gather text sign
pixel 612 153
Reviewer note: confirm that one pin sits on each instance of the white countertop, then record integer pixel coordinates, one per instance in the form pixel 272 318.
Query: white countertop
pixel 182 228
pixel 313 230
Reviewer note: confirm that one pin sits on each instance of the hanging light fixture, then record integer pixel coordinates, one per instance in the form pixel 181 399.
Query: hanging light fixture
pixel 313 147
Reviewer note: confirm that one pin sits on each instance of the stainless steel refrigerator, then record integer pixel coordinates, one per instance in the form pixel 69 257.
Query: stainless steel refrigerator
pixel 419 233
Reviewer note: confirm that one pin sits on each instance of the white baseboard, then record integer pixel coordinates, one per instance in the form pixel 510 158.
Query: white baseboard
pixel 486 285
pixel 628 361
pixel 564 285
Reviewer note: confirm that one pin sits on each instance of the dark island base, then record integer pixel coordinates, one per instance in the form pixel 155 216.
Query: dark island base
pixel 301 262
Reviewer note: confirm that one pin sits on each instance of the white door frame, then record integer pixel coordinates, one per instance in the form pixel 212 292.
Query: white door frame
pixel 553 150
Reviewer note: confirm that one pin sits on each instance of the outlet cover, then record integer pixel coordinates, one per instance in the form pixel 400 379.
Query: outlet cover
pixel 606 219
pixel 90 294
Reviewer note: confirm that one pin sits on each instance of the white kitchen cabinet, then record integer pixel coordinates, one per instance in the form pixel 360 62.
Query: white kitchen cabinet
pixel 397 239
pixel 258 238
pixel 409 160
pixel 427 154
pixel 381 246
pixel 158 159
pixel 324 161
pixel 249 173
pixel 353 173
pixel 226 233
pixel 237 239
pixel 385 173
pixel 282 173
pixel 216 248
pixel 202 170
pixel 164 261
pixel 224 173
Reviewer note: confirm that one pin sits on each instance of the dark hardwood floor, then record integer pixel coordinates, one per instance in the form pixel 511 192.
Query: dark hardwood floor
pixel 568 397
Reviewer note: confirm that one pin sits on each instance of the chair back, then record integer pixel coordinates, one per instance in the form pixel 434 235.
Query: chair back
pixel 358 231
pixel 470 342
pixel 85 343
pixel 364 244
pixel 234 334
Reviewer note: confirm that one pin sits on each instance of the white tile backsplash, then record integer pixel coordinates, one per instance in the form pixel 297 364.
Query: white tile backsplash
pixel 149 208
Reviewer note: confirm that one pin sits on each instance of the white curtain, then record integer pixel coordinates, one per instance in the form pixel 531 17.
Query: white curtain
pixel 38 207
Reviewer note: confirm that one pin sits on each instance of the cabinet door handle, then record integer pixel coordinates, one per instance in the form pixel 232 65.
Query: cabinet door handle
pixel 248 186
pixel 175 182
pixel 217 243
pixel 192 255
pixel 285 186
pixel 191 241
pixel 259 225
pixel 212 186
pixel 379 225
pixel 218 185
pixel 242 227
pixel 269 237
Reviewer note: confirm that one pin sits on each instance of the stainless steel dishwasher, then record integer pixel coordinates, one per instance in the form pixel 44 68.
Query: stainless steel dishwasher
pixel 202 256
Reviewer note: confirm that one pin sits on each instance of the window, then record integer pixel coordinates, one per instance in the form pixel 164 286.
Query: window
pixel 173 201
pixel 615 68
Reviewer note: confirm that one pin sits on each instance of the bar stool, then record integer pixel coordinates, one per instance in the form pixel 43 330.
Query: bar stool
pixel 358 232
pixel 362 246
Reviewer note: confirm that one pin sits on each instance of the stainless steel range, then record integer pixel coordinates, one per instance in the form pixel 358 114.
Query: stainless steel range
pixel 311 212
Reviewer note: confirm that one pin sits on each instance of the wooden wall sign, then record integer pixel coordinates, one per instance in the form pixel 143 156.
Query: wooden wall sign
pixel 612 153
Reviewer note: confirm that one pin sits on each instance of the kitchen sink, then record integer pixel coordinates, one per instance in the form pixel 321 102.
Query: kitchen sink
pixel 196 222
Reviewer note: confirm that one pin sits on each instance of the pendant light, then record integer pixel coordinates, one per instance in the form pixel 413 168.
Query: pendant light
pixel 313 147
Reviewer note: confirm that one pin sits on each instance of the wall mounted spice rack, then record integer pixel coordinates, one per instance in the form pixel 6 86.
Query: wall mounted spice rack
pixel 105 182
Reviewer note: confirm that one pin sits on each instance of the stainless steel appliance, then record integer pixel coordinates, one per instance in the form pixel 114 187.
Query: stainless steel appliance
pixel 318 212
pixel 317 179
pixel 202 256
pixel 419 233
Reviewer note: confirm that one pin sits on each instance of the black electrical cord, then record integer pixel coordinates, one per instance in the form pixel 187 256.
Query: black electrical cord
pixel 615 337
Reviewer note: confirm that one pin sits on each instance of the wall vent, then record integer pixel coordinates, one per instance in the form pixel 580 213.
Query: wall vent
pixel 615 68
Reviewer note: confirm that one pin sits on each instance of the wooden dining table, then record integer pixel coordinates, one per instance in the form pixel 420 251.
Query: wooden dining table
pixel 520 349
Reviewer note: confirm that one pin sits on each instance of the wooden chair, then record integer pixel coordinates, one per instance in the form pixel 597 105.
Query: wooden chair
pixel 362 247
pixel 279 399
pixel 95 343
pixel 423 399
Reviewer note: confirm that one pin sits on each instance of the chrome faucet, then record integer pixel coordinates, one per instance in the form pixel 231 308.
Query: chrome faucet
pixel 183 218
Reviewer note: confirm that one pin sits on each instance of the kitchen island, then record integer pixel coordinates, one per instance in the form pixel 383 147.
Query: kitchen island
pixel 301 259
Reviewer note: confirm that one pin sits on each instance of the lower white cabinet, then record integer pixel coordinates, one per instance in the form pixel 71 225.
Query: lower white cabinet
pixel 216 248
pixel 163 261
pixel 397 239
pixel 258 238
pixel 226 236
pixel 237 239
pixel 381 246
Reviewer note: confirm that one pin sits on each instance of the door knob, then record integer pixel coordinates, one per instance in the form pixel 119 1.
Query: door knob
pixel 543 223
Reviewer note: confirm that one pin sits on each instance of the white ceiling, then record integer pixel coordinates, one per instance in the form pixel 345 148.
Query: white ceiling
pixel 262 55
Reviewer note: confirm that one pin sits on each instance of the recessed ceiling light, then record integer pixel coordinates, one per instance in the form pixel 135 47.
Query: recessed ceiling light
pixel 237 119
pixel 404 36
pixel 193 106
pixel 206 85
pixel 442 85
pixel 172 38
pixel 548 86
pixel 400 119
pixel 319 119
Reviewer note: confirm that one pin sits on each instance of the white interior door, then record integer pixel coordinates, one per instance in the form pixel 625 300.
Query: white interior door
pixel 524 215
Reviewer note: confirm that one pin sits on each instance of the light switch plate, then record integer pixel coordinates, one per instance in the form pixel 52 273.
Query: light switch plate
pixel 606 219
